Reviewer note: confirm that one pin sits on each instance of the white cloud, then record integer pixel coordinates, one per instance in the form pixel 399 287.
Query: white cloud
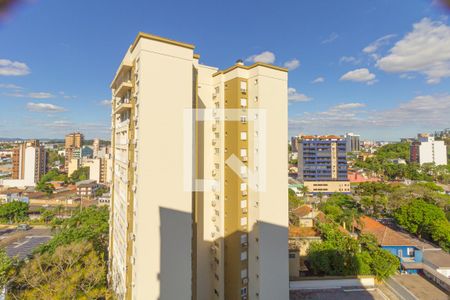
pixel 44 107
pixel 264 57
pixel 350 60
pixel 427 111
pixel 351 105
pixel 331 38
pixel 319 79
pixel 65 96
pixel 295 96
pixel 374 46
pixel 10 86
pixel 426 50
pixel 359 75
pixel 106 102
pixel 292 64
pixel 13 68
pixel 34 95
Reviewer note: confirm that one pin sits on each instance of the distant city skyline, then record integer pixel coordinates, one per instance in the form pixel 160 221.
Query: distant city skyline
pixel 352 73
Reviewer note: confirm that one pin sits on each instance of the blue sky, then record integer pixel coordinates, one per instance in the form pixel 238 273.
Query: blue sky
pixel 378 68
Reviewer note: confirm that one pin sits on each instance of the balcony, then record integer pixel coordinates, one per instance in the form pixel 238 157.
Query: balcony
pixel 123 88
pixel 122 106
pixel 124 68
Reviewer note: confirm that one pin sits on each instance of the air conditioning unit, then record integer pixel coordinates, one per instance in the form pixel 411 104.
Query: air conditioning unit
pixel 244 193
pixel 245 281
pixel 244 210
pixel 244 158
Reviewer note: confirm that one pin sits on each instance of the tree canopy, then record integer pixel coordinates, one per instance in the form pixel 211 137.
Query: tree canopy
pixel 340 254
pixel 13 212
pixel 73 271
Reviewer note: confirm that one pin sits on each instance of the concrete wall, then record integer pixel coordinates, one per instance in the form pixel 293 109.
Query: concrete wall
pixel 324 283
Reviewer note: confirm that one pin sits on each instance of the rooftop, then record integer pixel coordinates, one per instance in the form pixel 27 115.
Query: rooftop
pixel 86 182
pixel 384 235
pixel 302 210
pixel 437 257
pixel 299 232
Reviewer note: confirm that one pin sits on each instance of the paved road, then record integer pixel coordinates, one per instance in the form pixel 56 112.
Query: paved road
pixel 22 243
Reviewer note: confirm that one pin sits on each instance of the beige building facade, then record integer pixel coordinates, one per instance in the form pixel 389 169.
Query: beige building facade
pixel 208 220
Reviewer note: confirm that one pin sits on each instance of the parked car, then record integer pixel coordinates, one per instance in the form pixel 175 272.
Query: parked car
pixel 23 227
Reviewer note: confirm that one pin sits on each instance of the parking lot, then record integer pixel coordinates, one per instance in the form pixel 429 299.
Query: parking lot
pixel 420 287
pixel 22 243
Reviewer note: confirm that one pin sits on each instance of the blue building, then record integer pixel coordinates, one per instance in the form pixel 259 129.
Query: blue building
pixel 409 254
pixel 322 164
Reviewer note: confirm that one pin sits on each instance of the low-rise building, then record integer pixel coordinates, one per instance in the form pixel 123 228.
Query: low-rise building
pixel 87 188
pixel 409 254
pixel 427 150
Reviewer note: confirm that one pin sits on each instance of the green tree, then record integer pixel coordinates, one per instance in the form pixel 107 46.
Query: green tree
pixel 440 233
pixel 340 254
pixel 47 215
pixel 418 216
pixel 80 174
pixel 74 271
pixel 13 212
pixel 6 267
pixel 90 224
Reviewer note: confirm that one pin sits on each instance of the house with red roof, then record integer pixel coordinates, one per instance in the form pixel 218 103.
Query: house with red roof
pixel 409 254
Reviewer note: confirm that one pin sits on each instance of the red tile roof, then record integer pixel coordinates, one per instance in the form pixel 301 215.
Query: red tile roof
pixel 295 231
pixel 302 210
pixel 384 235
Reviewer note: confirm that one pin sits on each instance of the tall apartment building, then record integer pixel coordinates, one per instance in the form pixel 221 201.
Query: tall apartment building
pixel 95 148
pixel 352 142
pixel 207 220
pixel 427 150
pixel 29 164
pixel 322 164
pixel 73 144
pixel 294 144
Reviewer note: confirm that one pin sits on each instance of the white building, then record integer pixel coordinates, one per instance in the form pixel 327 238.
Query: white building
pixel 29 164
pixel 428 150
pixel 207 220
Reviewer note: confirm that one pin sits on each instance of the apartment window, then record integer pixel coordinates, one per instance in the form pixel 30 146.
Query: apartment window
pixel 256 99
pixel 256 81
pixel 243 86
pixel 244 291
pixel 243 119
pixel 243 152
pixel 243 102
pixel 243 186
pixel 217 89
pixel 410 251
pixel 243 255
pixel 243 221
pixel 243 238
pixel 243 135
pixel 243 203
pixel 243 169
pixel 243 273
